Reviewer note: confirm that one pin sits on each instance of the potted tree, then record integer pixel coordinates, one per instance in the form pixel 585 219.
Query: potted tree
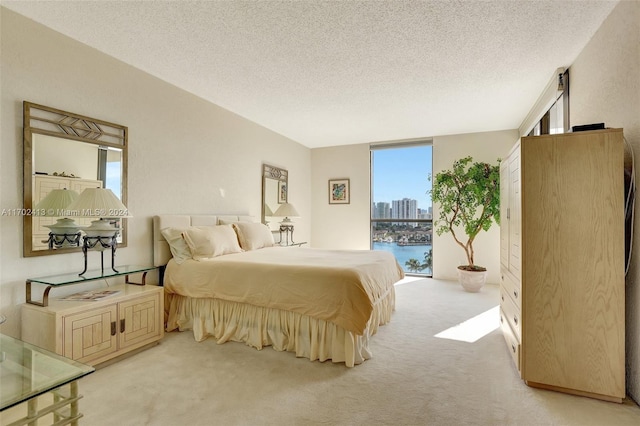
pixel 469 198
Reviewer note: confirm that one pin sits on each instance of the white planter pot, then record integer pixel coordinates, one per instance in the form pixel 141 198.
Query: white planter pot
pixel 472 281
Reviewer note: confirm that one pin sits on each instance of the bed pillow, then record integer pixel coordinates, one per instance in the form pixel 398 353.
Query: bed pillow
pixel 206 242
pixel 178 246
pixel 253 236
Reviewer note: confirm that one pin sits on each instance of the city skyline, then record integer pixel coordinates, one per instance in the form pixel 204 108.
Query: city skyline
pixel 400 173
pixel 403 210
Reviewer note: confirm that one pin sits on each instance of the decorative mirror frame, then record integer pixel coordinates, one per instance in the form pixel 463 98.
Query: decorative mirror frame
pixel 43 120
pixel 275 173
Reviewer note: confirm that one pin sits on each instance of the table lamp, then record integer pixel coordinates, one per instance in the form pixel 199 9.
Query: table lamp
pixel 102 204
pixel 65 232
pixel 285 210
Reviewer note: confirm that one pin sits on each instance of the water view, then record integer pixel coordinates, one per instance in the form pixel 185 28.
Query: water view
pixel 401 207
pixel 404 253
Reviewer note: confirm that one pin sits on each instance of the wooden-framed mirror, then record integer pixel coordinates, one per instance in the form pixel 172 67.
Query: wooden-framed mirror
pixel 275 185
pixel 67 150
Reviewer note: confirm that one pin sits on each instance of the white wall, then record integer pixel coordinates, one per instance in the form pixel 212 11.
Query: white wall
pixel 341 226
pixel 347 226
pixel 54 155
pixel 605 87
pixel 186 155
pixel 485 147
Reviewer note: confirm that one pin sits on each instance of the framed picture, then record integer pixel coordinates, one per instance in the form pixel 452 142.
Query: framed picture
pixel 282 192
pixel 339 192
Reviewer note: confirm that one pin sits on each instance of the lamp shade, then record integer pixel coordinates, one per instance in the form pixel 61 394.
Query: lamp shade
pixel 286 210
pixel 56 203
pixel 267 210
pixel 98 202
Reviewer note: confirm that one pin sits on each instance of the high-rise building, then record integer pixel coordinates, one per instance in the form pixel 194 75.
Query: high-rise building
pixel 381 211
pixel 404 209
pixel 425 213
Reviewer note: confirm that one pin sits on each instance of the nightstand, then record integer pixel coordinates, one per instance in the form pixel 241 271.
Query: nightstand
pixel 287 229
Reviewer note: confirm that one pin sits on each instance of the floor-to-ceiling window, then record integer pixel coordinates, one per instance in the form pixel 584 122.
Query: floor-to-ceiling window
pixel 401 208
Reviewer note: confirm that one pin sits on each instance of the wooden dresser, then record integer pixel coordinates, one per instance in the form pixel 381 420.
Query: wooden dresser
pixel 562 307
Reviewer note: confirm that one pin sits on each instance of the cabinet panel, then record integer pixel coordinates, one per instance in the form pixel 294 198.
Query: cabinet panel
pixel 566 255
pixel 141 320
pixel 87 335
pixel 515 216
pixel 513 344
pixel 504 215
pixel 511 312
pixel 573 197
pixel 511 287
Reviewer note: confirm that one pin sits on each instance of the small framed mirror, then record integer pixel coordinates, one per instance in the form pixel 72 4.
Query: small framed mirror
pixel 275 185
pixel 64 150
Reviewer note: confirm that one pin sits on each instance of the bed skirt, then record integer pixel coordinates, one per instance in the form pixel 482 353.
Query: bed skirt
pixel 282 330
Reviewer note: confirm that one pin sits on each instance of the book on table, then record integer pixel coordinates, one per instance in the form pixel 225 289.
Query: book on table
pixel 90 295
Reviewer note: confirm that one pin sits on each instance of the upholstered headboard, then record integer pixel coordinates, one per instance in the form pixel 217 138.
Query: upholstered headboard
pixel 161 252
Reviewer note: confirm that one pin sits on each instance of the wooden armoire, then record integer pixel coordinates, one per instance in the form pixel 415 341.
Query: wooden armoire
pixel 562 291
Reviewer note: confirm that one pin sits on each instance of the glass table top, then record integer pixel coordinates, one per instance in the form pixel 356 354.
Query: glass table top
pixel 27 371
pixel 74 278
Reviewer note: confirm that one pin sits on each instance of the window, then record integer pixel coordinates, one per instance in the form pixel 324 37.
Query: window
pixel 401 209
pixel 556 118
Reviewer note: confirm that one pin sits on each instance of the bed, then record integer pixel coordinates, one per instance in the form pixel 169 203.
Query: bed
pixel 224 278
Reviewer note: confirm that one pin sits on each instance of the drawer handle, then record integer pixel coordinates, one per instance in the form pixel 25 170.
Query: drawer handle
pixel 513 348
pixel 515 319
pixel 122 325
pixel 113 328
pixel 515 294
pixel 502 297
pixel 501 319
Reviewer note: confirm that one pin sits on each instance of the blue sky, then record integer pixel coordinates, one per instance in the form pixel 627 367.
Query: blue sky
pixel 402 173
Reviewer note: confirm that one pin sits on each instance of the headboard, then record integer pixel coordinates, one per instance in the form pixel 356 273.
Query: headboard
pixel 161 252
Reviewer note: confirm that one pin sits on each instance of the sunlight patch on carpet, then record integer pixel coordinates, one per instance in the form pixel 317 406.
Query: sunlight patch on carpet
pixel 474 328
pixel 407 280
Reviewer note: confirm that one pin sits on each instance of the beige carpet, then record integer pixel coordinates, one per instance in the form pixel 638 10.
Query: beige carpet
pixel 413 379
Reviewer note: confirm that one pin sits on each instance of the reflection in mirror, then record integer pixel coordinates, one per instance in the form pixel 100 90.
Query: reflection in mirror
pixel 65 150
pixel 274 193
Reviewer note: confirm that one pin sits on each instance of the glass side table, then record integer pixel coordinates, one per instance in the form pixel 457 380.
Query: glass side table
pixel 73 278
pixel 28 372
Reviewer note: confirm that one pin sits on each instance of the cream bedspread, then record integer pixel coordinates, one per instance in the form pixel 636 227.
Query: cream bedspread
pixel 340 286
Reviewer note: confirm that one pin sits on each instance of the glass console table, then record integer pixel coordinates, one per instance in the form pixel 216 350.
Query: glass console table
pixel 27 372
pixel 73 278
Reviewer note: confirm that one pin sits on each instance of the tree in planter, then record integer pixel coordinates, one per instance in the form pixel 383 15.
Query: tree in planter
pixel 469 197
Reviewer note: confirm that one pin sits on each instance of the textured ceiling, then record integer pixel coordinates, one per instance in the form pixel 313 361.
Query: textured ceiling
pixel 342 72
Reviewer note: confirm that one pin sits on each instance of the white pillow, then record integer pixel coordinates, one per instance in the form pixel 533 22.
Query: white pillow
pixel 253 236
pixel 178 246
pixel 206 242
